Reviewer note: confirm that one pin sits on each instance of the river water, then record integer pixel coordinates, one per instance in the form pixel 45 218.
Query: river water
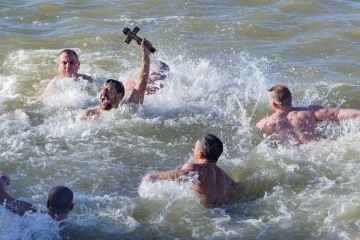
pixel 223 56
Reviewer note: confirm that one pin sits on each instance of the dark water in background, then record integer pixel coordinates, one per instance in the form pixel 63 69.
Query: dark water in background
pixel 223 56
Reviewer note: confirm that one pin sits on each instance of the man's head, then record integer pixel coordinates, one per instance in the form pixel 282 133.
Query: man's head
pixel 208 147
pixel 68 63
pixel 60 200
pixel 111 94
pixel 158 71
pixel 280 97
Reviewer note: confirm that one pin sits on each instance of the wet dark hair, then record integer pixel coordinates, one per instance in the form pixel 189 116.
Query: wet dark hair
pixel 163 67
pixel 60 199
pixel 118 85
pixel 69 51
pixel 164 70
pixel 211 147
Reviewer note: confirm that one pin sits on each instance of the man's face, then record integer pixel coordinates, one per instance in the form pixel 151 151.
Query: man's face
pixel 109 98
pixel 155 73
pixel 68 64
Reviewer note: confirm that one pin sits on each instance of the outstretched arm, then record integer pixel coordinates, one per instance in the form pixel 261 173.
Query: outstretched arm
pixel 137 95
pixel 266 126
pixel 336 114
pixel 16 206
pixel 169 175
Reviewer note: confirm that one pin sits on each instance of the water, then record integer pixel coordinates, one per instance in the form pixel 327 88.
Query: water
pixel 223 56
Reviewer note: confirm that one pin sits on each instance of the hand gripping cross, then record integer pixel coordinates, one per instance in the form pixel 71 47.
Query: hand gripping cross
pixel 132 35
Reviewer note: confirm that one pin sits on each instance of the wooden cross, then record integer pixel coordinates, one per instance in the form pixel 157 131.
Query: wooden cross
pixel 132 35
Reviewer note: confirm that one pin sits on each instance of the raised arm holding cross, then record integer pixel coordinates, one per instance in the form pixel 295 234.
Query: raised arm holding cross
pixel 113 91
pixel 132 35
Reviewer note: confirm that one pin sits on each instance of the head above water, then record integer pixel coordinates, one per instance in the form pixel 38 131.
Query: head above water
pixel 68 63
pixel 119 87
pixel 60 200
pixel 69 51
pixel 111 94
pixel 211 147
pixel 159 70
pixel 281 95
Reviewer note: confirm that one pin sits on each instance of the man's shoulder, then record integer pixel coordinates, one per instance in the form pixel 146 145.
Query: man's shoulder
pixel 85 77
pixel 309 108
pixel 268 120
pixel 93 109
pixel 90 113
pixel 189 166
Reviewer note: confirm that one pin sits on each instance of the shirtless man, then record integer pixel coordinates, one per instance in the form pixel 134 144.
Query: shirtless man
pixel 214 187
pixel 59 203
pixel 68 65
pixel 296 125
pixel 113 91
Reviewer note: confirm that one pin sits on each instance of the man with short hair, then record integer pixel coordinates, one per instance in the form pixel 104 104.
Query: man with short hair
pixel 68 65
pixel 59 203
pixel 296 125
pixel 213 186
pixel 112 92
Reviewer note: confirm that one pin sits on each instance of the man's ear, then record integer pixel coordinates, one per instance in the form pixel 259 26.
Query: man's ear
pixel 275 105
pixel 201 155
pixel 78 66
pixel 71 206
pixel 48 204
pixel 119 97
pixel 197 154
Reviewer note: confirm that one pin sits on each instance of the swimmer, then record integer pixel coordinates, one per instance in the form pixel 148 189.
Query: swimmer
pixel 296 125
pixel 213 186
pixel 113 91
pixel 59 203
pixel 68 65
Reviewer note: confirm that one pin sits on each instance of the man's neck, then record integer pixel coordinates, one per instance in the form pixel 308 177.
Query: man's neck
pixel 74 76
pixel 207 162
pixel 58 217
pixel 284 110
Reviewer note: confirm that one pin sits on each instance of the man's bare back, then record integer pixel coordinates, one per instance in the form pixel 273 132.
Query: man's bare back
pixel 214 187
pixel 296 125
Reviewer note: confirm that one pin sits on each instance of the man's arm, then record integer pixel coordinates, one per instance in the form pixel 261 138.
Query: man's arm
pixel 16 206
pixel 137 95
pixel 169 175
pixel 266 126
pixel 336 114
pixel 85 77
